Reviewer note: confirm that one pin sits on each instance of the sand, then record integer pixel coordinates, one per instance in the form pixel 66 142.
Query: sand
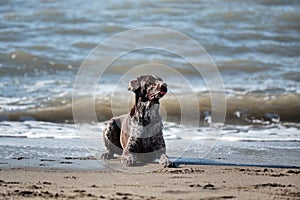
pixel 184 182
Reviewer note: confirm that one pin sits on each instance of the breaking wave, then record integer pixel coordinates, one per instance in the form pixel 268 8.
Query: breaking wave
pixel 246 108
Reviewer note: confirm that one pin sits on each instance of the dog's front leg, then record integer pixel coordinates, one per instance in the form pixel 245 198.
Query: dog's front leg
pixel 165 162
pixel 128 158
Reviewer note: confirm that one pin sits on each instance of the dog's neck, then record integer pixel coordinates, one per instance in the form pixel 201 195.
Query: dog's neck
pixel 145 112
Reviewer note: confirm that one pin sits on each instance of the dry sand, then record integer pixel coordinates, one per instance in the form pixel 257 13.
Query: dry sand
pixel 185 182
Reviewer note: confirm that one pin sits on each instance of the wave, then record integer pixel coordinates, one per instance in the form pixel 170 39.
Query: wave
pixel 245 109
pixel 20 62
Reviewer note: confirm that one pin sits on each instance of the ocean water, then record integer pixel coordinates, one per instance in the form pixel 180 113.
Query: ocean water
pixel 254 44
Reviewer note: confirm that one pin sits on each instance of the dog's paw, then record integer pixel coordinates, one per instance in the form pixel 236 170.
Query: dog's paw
pixel 165 162
pixel 107 156
pixel 128 160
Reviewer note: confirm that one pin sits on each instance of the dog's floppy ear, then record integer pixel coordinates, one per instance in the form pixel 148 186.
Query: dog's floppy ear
pixel 133 85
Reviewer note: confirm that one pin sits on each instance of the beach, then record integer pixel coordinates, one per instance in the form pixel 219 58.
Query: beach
pixel 231 116
pixel 184 182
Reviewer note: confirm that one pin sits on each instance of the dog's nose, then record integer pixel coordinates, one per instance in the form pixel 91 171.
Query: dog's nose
pixel 163 88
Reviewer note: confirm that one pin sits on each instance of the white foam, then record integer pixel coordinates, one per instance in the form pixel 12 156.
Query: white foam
pixel 172 131
pixel 36 129
pixel 271 133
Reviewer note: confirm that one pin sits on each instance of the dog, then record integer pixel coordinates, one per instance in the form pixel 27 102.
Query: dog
pixel 138 136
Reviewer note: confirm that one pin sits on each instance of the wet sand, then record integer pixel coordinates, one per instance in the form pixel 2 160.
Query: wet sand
pixel 184 182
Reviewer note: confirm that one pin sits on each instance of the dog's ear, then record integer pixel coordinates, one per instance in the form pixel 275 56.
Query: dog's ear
pixel 133 85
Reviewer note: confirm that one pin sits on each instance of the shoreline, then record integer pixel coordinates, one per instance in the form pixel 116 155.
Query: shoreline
pixel 93 163
pixel 184 182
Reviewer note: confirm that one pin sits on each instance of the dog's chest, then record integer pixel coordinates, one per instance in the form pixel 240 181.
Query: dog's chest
pixel 150 130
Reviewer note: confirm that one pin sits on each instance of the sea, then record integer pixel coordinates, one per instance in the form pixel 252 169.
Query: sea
pixel 65 68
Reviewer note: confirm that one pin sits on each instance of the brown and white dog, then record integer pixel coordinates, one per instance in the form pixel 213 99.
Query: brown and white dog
pixel 138 136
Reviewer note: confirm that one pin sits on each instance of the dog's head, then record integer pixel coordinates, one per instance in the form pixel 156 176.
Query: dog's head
pixel 148 88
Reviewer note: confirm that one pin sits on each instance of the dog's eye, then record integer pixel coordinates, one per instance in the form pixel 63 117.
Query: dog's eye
pixel 152 85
